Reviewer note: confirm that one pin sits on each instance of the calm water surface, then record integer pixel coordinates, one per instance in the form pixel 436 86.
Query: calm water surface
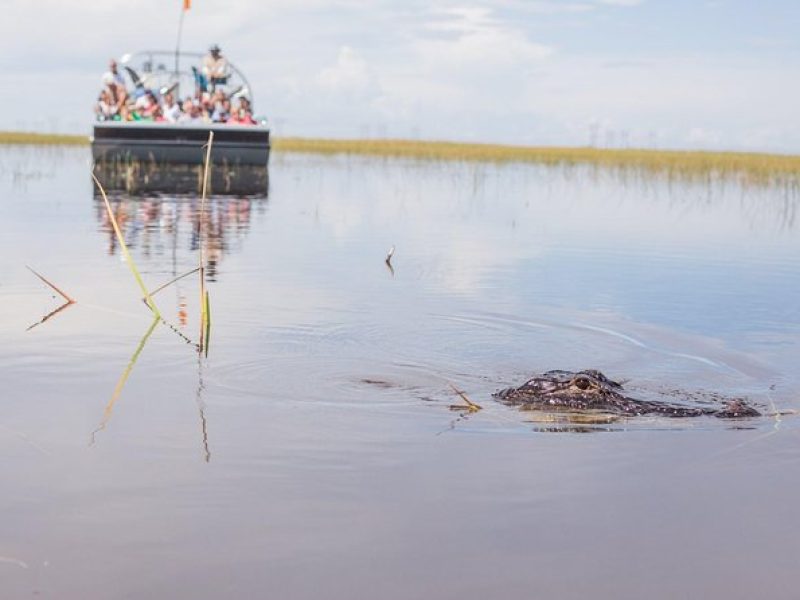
pixel 313 453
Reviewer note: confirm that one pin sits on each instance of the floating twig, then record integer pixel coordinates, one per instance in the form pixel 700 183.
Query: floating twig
pixel 68 298
pixel 470 406
pixel 170 282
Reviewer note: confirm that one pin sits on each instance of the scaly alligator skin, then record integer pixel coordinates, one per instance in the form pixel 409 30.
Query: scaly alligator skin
pixel 590 390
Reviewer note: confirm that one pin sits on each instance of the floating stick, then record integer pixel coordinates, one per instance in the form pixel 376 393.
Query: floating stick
pixel 64 295
pixel 470 406
pixel 170 282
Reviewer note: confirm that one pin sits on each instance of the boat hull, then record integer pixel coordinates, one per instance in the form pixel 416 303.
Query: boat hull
pixel 164 143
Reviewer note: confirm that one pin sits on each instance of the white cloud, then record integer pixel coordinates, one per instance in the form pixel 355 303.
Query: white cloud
pixel 477 39
pixel 621 2
pixel 350 75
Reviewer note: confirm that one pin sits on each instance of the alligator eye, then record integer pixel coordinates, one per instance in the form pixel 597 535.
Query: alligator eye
pixel 582 383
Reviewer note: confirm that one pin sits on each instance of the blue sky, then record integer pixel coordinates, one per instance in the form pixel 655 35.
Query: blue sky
pixel 717 74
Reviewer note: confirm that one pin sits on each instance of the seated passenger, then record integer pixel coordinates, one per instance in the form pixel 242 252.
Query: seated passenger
pixel 243 115
pixel 191 112
pixel 148 107
pixel 222 111
pixel 170 108
pixel 106 109
pixel 215 68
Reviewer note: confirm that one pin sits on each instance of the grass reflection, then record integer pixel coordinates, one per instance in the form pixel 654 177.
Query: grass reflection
pixel 51 314
pixel 124 378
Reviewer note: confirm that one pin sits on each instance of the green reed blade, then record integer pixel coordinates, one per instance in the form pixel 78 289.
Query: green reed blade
pixel 125 252
pixel 200 232
pixel 207 313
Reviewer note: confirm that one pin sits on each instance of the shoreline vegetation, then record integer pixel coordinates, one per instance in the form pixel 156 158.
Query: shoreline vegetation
pixel 752 166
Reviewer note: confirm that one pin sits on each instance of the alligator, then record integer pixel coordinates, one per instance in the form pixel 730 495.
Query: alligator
pixel 590 390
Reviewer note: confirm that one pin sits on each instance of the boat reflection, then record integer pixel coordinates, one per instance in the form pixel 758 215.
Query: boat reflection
pixel 156 225
pixel 136 176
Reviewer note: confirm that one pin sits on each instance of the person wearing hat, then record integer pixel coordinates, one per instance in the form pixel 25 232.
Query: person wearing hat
pixel 215 68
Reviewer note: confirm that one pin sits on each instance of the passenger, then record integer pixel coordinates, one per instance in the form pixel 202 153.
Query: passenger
pixel 170 108
pixel 200 82
pixel 148 107
pixel 243 115
pixel 216 106
pixel 106 109
pixel 117 94
pixel 215 68
pixel 140 105
pixel 119 79
pixel 222 111
pixel 191 112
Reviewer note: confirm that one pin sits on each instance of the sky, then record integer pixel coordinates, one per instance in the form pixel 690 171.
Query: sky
pixel 695 74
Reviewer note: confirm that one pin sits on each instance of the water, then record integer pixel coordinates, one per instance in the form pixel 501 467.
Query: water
pixel 313 453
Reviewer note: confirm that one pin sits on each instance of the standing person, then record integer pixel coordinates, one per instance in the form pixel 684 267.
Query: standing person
pixel 119 79
pixel 117 94
pixel 215 68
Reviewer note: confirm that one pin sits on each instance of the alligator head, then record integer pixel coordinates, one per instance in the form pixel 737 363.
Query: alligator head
pixel 590 390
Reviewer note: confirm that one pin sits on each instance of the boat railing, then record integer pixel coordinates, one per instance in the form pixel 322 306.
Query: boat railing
pixel 163 70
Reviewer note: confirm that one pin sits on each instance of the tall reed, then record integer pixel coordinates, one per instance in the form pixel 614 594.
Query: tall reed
pixel 204 322
pixel 124 247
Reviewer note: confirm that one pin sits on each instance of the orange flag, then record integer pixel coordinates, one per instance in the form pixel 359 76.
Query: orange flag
pixel 187 4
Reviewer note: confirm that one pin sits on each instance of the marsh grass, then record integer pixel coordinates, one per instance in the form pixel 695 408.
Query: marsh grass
pixel 42 139
pixel 752 166
pixel 755 167
pixel 207 318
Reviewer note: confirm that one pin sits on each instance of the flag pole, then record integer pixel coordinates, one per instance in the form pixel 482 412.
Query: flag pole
pixel 187 4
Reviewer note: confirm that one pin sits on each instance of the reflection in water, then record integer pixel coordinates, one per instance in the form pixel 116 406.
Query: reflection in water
pixel 123 379
pixel 50 314
pixel 156 224
pixel 143 177
pixel 107 412
pixel 201 408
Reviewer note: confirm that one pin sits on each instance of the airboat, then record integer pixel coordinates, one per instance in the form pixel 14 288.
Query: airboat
pixel 152 154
